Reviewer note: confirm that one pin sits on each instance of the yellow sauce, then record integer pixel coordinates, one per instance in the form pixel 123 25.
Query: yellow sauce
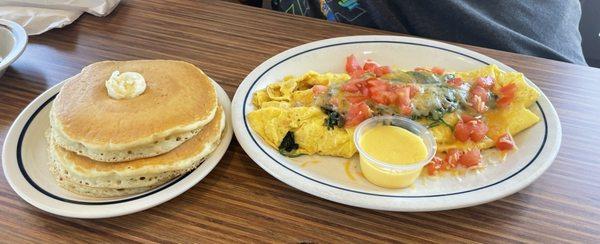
pixel 392 145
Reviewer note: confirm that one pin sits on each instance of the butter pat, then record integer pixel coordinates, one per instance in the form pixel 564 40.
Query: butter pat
pixel 125 85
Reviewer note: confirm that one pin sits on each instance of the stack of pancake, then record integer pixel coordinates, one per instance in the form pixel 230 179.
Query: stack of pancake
pixel 105 147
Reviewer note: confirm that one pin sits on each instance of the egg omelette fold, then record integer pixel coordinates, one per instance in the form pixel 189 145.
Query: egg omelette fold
pixel 290 105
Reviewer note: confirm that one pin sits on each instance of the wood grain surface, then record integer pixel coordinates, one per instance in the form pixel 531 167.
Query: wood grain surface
pixel 239 201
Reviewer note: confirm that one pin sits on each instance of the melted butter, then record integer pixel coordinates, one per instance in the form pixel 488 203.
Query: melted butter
pixel 125 85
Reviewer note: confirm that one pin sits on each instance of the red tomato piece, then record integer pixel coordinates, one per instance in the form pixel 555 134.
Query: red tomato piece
pixel 509 89
pixel 452 157
pixel 473 129
pixel 481 92
pixel 357 73
pixel 466 118
pixel 355 98
pixel 382 70
pixel 356 86
pixel 319 89
pixel 485 82
pixel 505 142
pixel 456 82
pixel 434 165
pixel 406 110
pixel 370 65
pixel 507 95
pixel 470 158
pixel 478 130
pixel 384 97
pixel 403 95
pixel 437 70
pixel 462 131
pixel 352 64
pixel 357 113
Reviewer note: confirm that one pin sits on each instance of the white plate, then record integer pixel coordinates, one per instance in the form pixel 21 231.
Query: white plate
pixel 327 177
pixel 24 159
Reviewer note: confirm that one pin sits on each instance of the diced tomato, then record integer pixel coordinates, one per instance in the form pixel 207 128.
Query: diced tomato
pixel 437 70
pixel 403 95
pixel 507 95
pixel 481 92
pixel 466 118
pixel 377 83
pixel 434 165
pixel 470 158
pixel 406 110
pixel 358 112
pixel 485 82
pixel 352 64
pixel 473 129
pixel 382 70
pixel 378 91
pixel 370 65
pixel 505 142
pixel 356 86
pixel 462 132
pixel 355 98
pixel 456 82
pixel 384 97
pixel 452 157
pixel 319 89
pixel 509 89
pixel 478 130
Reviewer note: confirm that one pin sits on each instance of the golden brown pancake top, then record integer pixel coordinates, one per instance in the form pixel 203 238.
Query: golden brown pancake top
pixel 177 94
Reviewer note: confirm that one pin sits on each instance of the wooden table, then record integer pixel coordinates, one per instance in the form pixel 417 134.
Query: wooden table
pixel 239 201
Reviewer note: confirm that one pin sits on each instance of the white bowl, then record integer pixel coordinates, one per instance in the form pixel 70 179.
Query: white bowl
pixel 13 39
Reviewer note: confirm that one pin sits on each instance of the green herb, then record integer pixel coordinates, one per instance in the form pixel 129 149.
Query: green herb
pixel 437 116
pixel 334 118
pixel 288 143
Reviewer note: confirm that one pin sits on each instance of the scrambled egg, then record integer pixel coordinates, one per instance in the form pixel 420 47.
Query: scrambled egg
pixel 307 124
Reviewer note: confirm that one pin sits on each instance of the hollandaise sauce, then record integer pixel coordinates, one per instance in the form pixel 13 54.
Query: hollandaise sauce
pixel 386 146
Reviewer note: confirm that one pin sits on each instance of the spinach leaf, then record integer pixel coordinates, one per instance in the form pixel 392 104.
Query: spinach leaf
pixel 334 118
pixel 288 144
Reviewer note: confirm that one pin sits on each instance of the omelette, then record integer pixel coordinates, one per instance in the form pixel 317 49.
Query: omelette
pixel 316 113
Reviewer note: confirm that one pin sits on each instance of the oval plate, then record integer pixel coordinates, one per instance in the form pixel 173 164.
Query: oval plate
pixel 25 159
pixel 340 180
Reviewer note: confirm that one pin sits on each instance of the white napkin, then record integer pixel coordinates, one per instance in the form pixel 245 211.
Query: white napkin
pixel 39 16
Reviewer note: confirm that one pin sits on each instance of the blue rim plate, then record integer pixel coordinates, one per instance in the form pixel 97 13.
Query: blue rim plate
pixel 329 178
pixel 24 160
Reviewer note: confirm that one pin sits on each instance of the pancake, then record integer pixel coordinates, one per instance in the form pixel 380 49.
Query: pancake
pixel 178 101
pixel 85 176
